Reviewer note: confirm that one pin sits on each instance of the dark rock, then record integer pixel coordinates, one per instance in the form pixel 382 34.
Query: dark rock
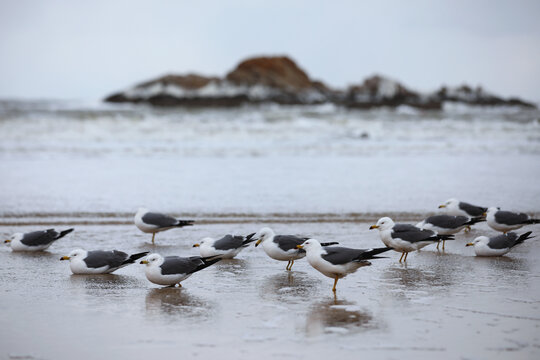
pixel 377 91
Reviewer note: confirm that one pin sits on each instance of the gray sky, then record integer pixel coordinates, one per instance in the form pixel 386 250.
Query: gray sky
pixel 88 49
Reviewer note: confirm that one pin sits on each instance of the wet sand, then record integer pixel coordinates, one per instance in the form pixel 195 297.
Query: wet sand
pixel 440 304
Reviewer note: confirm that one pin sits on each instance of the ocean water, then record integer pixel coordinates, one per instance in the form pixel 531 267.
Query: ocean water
pixel 76 157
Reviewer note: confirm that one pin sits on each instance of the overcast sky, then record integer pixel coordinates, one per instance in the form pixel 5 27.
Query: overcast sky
pixel 88 49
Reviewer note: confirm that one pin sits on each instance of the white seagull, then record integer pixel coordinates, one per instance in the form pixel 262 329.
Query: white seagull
pixel 35 240
pixel 227 247
pixel 460 208
pixel 99 261
pixel 498 245
pixel 405 238
pixel 281 247
pixel 505 221
pixel 152 222
pixel 447 224
pixel 336 262
pixel 171 270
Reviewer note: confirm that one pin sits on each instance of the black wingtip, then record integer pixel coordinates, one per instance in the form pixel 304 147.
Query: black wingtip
pixel 248 239
pixel 330 243
pixel 475 220
pixel 64 233
pixel 182 223
pixel 370 254
pixel 445 237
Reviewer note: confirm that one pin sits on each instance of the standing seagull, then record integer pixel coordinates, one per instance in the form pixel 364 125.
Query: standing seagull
pixel 337 262
pixel 151 222
pixel 281 247
pixel 171 270
pixel 505 221
pixel 498 245
pixel 99 261
pixel 405 238
pixel 447 224
pixel 227 247
pixel 457 208
pixel 35 240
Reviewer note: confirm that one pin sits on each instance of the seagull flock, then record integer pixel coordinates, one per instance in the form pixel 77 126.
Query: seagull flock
pixel 335 262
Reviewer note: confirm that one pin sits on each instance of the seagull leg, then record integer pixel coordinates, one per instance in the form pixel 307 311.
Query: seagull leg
pixel 335 283
pixel 443 244
pixel 467 228
pixel 406 254
pixel 438 243
pixel 401 256
pixel 287 267
pixel 153 236
pixel 292 263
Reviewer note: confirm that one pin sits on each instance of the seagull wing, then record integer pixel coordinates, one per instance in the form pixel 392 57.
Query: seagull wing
pixel 159 220
pixel 412 234
pixel 288 242
pixel 510 218
pixel 229 242
pixel 100 258
pixel 36 238
pixel 472 210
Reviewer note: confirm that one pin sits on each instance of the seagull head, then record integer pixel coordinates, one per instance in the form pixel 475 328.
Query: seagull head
pixel 479 240
pixel 310 244
pixel 450 204
pixel 206 240
pixel 14 237
pixel 384 223
pixel 492 210
pixel 153 259
pixel 75 254
pixel 262 235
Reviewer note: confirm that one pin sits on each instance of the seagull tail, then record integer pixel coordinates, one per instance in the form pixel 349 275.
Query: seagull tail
pixel 523 237
pixel 207 261
pixel 475 220
pixel 64 233
pixel 370 254
pixel 248 239
pixel 533 221
pixel 182 223
pixel 135 257
pixel 445 237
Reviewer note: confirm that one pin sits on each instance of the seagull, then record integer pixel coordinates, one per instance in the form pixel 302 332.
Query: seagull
pixel 505 221
pixel 336 262
pixel 35 240
pixel 151 222
pixel 99 261
pixel 405 238
pixel 498 245
pixel 448 224
pixel 227 247
pixel 171 270
pixel 460 208
pixel 281 247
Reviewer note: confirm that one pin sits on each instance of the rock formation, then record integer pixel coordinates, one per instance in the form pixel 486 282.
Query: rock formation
pixel 279 80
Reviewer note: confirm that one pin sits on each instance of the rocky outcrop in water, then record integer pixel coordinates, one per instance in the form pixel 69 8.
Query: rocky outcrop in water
pixel 280 80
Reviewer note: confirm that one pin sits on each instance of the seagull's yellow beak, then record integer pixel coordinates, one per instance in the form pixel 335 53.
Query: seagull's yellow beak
pixel 299 247
pixel 258 242
pixel 144 262
pixel 65 258
pixel 373 227
pixel 442 206
pixel 7 241
pixel 469 244
pixel 196 245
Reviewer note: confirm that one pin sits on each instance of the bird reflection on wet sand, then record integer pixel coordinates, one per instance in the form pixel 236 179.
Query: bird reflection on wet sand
pixel 104 281
pixel 338 316
pixel 176 301
pixel 289 286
